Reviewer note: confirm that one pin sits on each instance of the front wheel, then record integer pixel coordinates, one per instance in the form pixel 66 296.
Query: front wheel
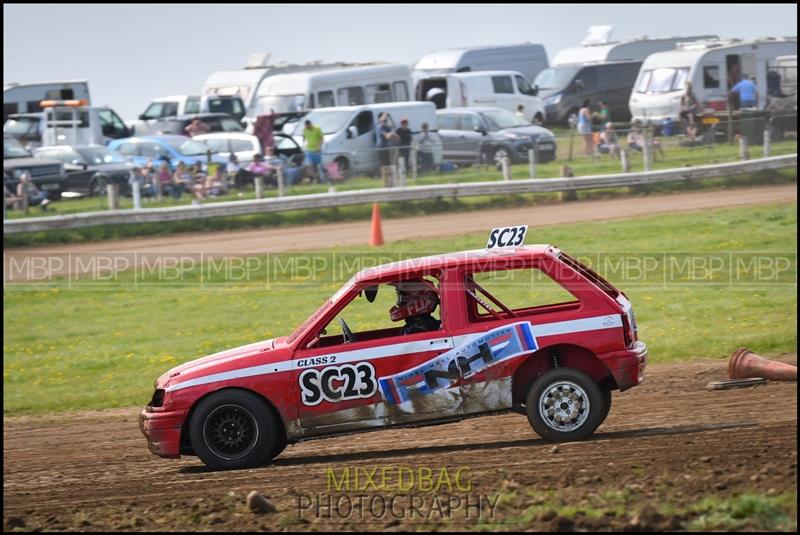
pixel 234 429
pixel 98 186
pixel 538 119
pixel 565 404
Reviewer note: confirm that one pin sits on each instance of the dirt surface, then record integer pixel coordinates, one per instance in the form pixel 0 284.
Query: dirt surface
pixel 318 237
pixel 666 446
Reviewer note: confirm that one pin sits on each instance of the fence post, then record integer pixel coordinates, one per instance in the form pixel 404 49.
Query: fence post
pixel 136 191
pixel 259 185
pixel 25 201
pixel 279 173
pixel 744 150
pixel 506 168
pixel 767 141
pixel 567 195
pixel 532 163
pixel 647 151
pixel 113 196
pixel 623 158
pixel 414 164
pixel 571 141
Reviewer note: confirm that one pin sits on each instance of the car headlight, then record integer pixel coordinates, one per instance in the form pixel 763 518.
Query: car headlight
pixel 512 135
pixel 555 99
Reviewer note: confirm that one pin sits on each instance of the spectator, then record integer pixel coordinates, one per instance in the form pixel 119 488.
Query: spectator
pixel 197 184
pixel 405 137
pixel 215 184
pixel 313 137
pixel 585 127
pixel 427 141
pixel 384 148
pixel 521 111
pixel 258 168
pixel 748 94
pixel 11 199
pixel 604 115
pixel 689 109
pixel 609 144
pixel 234 171
pixel 637 139
pixel 196 128
pixel 291 175
pixel 163 178
pixel 180 179
pixel 36 197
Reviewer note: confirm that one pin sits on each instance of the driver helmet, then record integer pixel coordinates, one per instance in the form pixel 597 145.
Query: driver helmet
pixel 415 297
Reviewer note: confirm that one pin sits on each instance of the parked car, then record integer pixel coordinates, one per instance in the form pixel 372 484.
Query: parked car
pixel 91 168
pixel 26 128
pixel 470 135
pixel 162 108
pixel 173 149
pixel 216 122
pixel 350 139
pixel 246 146
pixel 555 360
pixel 501 89
pixel 48 175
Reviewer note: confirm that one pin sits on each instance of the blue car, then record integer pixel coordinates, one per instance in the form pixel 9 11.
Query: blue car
pixel 173 149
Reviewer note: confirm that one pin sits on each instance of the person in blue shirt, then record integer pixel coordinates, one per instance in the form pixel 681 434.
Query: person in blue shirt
pixel 748 94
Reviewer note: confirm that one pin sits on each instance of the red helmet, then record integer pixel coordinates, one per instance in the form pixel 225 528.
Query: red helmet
pixel 414 298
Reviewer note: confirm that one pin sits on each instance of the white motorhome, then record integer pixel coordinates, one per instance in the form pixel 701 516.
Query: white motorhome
pixel 246 82
pixel 343 86
pixel 71 123
pixel 350 138
pixel 527 58
pixel 498 89
pixel 713 67
pixel 25 98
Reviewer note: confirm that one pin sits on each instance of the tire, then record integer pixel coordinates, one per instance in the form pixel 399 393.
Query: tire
pixel 344 167
pixel 219 420
pixel 538 119
pixel 607 401
pixel 97 187
pixel 586 400
pixel 570 113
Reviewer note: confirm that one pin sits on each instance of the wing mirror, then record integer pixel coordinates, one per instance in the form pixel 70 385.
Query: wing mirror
pixel 351 132
pixel 535 91
pixel 371 292
pixel 480 130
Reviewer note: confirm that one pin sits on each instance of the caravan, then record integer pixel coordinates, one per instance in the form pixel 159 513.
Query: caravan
pixel 527 58
pixel 25 98
pixel 600 69
pixel 343 86
pixel 713 67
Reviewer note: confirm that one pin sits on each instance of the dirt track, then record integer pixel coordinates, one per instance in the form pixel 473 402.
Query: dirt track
pixel 668 442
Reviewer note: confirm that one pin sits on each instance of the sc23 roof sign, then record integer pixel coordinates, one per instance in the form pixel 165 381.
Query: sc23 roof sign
pixel 507 237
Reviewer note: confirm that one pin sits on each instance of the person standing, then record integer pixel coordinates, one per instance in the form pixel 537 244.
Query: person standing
pixel 689 108
pixel 313 137
pixel 384 148
pixel 748 94
pixel 426 142
pixel 405 135
pixel 585 127
pixel 196 128
pixel 521 111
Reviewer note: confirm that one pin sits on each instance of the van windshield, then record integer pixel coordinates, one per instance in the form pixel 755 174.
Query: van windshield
pixel 663 80
pixel 330 121
pixel 555 77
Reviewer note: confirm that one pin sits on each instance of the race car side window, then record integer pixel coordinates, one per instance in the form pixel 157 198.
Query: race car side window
pixel 513 293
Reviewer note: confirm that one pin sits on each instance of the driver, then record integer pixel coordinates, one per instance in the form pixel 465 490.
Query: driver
pixel 416 300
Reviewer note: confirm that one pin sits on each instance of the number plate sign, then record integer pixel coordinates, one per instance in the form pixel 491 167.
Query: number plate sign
pixel 507 237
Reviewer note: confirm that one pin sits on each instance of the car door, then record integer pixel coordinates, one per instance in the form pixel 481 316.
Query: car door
pixel 111 126
pixel 450 134
pixel 359 147
pixel 376 380
pixel 473 133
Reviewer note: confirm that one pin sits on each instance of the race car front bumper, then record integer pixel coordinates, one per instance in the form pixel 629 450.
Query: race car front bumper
pixel 162 430
pixel 627 366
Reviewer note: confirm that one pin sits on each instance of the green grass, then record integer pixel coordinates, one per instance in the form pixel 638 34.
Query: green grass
pixel 582 166
pixel 746 513
pixel 81 345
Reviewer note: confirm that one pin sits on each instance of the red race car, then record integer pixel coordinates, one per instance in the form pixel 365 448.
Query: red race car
pixel 527 329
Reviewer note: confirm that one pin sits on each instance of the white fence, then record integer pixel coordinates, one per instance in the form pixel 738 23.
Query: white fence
pixel 330 200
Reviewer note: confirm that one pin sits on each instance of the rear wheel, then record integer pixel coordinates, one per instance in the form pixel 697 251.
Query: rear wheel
pixel 565 404
pixel 344 167
pixel 234 429
pixel 98 186
pixel 538 119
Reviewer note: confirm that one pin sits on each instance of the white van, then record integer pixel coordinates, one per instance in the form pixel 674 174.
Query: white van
pixel 712 66
pixel 25 98
pixel 527 58
pixel 350 132
pixel 71 123
pixel 496 89
pixel 178 105
pixel 246 82
pixel 344 86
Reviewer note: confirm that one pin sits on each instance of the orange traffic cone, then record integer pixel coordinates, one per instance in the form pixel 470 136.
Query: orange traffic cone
pixel 376 236
pixel 744 363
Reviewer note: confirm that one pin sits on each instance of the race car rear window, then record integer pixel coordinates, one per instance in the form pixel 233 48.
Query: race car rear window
pixel 590 274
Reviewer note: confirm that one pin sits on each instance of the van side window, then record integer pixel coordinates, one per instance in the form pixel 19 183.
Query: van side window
pixel 325 99
pixel 588 78
pixel 711 76
pixel 524 86
pixel 377 93
pixel 447 121
pixel 400 91
pixel 502 84
pixel 350 96
pixel 363 122
pixel 192 105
